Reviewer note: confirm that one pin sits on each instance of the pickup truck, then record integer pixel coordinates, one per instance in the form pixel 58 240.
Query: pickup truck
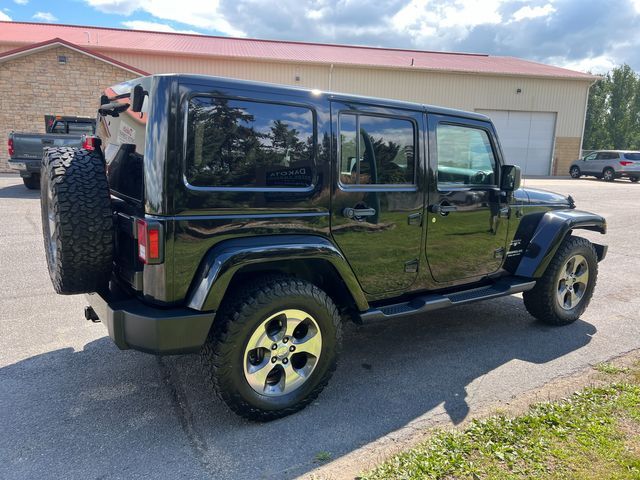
pixel 25 149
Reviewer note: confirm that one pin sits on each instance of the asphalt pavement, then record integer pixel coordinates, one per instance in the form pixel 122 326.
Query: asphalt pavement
pixel 73 406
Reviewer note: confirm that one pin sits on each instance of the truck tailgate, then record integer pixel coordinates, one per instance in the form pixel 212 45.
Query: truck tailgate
pixel 31 145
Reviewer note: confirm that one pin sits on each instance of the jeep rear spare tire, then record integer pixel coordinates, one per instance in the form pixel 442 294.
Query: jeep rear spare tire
pixel 77 221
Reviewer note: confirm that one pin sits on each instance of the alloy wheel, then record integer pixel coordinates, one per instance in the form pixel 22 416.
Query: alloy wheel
pixel 572 283
pixel 282 352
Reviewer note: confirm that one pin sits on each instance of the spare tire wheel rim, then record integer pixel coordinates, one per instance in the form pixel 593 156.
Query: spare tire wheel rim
pixel 51 215
pixel 282 352
pixel 573 281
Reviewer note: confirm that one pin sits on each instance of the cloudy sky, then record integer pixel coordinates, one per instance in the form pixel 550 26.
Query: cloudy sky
pixel 580 34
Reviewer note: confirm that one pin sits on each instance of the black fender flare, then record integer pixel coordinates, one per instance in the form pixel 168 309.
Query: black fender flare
pixel 552 229
pixel 223 260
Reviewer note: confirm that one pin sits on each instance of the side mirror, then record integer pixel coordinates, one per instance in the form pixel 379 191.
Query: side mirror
pixel 510 178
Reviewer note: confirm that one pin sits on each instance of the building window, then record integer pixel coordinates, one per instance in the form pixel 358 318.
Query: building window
pixel 234 143
pixel 62 59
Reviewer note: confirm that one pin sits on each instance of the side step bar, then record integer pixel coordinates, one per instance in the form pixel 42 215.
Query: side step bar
pixel 435 301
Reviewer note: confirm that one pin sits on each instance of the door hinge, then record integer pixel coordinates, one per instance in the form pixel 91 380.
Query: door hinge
pixel 498 253
pixel 411 266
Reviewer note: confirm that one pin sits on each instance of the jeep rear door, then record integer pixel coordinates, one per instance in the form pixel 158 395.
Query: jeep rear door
pixel 467 215
pixel 377 199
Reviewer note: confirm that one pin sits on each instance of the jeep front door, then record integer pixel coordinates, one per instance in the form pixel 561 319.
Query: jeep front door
pixel 467 215
pixel 377 202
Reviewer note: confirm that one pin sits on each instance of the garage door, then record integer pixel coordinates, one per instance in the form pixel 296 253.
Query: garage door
pixel 526 138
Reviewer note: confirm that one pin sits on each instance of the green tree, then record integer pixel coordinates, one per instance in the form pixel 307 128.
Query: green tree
pixel 613 111
pixel 621 100
pixel 596 134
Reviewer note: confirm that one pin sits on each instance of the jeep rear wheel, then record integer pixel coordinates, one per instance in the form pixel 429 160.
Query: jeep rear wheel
pixel 273 347
pixel 563 293
pixel 77 222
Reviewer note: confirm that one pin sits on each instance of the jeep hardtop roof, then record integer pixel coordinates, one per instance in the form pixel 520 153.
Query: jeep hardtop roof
pixel 208 80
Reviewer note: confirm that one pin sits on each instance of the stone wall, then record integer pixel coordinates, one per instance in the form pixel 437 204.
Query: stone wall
pixel 36 85
pixel 566 151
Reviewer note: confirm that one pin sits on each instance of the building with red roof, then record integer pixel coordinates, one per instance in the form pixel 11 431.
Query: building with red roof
pixel 538 109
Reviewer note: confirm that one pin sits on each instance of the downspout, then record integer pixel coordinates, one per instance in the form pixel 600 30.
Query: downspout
pixel 330 78
pixel 584 119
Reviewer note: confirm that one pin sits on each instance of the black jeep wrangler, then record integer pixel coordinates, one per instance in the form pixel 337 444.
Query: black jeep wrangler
pixel 246 221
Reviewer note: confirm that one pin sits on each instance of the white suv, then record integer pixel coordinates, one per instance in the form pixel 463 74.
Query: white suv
pixel 608 165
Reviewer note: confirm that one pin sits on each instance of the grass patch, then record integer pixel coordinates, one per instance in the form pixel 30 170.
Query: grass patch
pixel 594 434
pixel 610 369
pixel 323 456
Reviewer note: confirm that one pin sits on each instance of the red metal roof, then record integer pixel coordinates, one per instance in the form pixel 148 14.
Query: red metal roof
pixel 112 39
pixel 29 48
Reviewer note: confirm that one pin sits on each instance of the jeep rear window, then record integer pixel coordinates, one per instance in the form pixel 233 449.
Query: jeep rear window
pixel 237 143
pixel 632 156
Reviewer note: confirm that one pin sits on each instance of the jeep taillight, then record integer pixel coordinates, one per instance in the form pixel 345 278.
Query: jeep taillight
pixel 626 163
pixel 10 147
pixel 149 241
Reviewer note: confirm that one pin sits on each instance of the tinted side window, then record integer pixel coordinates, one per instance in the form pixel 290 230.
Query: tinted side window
pixel 233 143
pixel 632 156
pixel 465 156
pixel 591 156
pixel 608 156
pixel 376 150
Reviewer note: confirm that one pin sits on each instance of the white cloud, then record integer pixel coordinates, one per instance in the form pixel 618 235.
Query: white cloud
pixel 528 12
pixel 44 16
pixel 597 65
pixel 425 19
pixel 21 2
pixel 155 27
pixel 198 13
pixel 5 17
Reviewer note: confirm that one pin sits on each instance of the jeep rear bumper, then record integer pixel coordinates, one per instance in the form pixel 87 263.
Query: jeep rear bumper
pixel 133 324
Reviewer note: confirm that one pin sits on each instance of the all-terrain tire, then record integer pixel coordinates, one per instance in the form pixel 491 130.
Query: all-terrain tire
pixel 542 301
pixel 222 356
pixel 77 221
pixel 32 182
pixel 634 179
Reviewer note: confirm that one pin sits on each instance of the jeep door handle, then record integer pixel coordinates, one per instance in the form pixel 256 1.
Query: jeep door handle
pixel 442 209
pixel 358 212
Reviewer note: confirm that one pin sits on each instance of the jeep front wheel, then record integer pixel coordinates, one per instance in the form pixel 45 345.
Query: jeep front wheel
pixel 273 347
pixel 562 294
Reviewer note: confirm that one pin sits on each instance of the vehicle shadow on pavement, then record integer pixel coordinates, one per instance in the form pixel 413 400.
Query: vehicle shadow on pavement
pixel 18 191
pixel 102 412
